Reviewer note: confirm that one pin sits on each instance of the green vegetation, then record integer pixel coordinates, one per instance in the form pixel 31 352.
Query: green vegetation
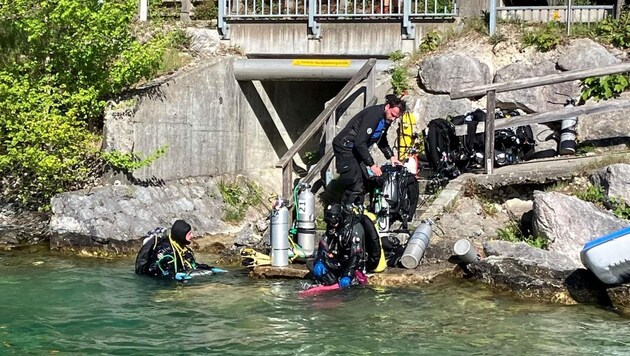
pixel 399 77
pixel 128 162
pixel 617 33
pixel 206 10
pixel 513 233
pixel 545 38
pixel 597 196
pixel 604 88
pixel 60 62
pixel 430 42
pixel 238 195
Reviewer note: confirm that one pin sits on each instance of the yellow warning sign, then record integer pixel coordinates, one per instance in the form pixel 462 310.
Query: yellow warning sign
pixel 321 62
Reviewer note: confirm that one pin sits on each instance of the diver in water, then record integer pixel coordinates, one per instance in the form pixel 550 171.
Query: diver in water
pixel 341 256
pixel 166 254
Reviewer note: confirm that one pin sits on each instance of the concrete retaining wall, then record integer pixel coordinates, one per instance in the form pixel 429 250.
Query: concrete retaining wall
pixel 213 124
pixel 355 38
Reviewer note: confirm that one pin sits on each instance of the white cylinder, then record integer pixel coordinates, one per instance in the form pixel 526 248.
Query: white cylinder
pixel 568 135
pixel 144 10
pixel 280 236
pixel 466 251
pixel 416 246
pixel 306 220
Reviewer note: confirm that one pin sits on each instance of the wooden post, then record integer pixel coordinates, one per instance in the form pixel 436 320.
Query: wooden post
pixel 617 9
pixel 369 88
pixel 287 184
pixel 184 14
pixel 489 153
pixel 331 132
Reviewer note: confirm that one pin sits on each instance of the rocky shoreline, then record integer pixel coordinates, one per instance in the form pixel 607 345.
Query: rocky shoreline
pixel 554 275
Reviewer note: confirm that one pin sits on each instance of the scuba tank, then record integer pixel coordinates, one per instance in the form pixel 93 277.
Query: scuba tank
pixel 279 233
pixel 567 132
pixel 417 245
pixel 306 219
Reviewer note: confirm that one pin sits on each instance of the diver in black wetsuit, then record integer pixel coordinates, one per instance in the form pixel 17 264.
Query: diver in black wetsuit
pixel 166 253
pixel 352 146
pixel 342 253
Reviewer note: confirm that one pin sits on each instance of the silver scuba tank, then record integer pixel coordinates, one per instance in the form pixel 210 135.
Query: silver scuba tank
pixel 306 219
pixel 279 233
pixel 417 245
pixel 568 132
pixel 390 187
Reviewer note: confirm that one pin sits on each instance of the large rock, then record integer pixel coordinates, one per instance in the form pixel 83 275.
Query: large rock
pixel 568 222
pixel 114 218
pixel 204 40
pixel 429 107
pixel 604 126
pixel 530 272
pixel 583 53
pixel 537 99
pixel 443 72
pixel 615 179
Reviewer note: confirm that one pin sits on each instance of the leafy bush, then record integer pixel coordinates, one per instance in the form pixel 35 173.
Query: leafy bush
pixel 604 88
pixel 206 10
pixel 400 80
pixel 545 38
pixel 128 162
pixel 430 42
pixel 513 233
pixel 63 60
pixel 615 31
pixel 238 195
pixel 399 77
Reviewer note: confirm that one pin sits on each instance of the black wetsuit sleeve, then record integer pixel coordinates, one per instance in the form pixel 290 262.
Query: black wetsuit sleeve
pixel 383 145
pixel 356 251
pixel 367 125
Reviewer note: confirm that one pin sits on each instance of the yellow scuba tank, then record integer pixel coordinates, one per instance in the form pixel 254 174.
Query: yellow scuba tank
pixel 405 135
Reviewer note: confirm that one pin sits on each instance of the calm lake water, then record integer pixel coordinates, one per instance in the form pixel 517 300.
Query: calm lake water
pixel 56 304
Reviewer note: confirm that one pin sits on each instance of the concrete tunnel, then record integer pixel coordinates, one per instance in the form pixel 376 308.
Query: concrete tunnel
pixel 295 92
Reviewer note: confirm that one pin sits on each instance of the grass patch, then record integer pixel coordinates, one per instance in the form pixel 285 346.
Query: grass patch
pixel 238 195
pixel 603 162
pixel 513 233
pixel 488 207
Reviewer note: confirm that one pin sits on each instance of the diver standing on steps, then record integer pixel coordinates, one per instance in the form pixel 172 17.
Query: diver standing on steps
pixel 352 146
pixel 166 253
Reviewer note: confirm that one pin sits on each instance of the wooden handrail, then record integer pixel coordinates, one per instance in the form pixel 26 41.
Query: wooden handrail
pixel 321 118
pixel 598 108
pixel 459 93
pixel 490 90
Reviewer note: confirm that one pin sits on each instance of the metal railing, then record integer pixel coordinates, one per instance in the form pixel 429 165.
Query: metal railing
pixel 578 14
pixel 324 9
